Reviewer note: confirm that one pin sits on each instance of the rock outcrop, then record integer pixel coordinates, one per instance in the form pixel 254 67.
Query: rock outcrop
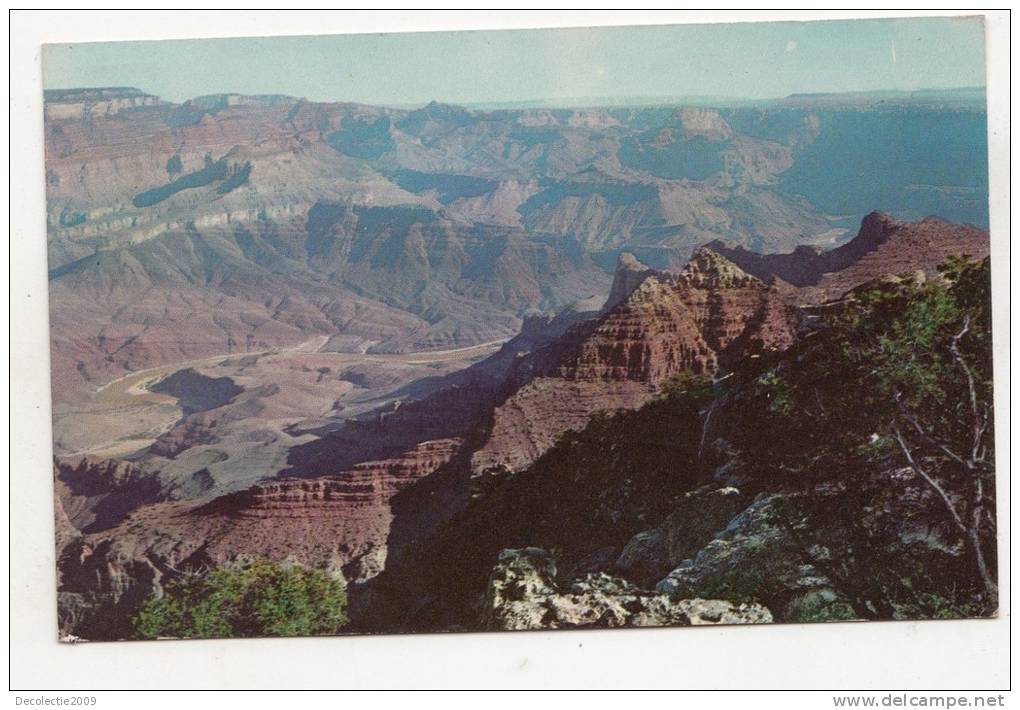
pixel 85 104
pixel 485 179
pixel 522 594
pixel 338 522
pixel 629 274
pixel 652 554
pixel 883 246
pixel 709 316
pixel 752 556
pixel 242 224
pixel 706 318
pixel 95 493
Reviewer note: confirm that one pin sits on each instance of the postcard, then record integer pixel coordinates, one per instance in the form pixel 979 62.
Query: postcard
pixel 523 329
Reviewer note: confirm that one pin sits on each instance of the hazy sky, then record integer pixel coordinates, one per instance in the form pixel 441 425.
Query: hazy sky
pixel 761 60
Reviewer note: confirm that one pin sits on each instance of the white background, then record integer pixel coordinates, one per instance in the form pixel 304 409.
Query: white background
pixel 930 655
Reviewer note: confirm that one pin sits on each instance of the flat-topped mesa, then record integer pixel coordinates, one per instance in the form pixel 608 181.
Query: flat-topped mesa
pixel 224 100
pixel 62 104
pixel 93 94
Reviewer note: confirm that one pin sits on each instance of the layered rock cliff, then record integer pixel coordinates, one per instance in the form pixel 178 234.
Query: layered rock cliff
pixel 773 495
pixel 883 246
pixel 702 320
pixel 340 522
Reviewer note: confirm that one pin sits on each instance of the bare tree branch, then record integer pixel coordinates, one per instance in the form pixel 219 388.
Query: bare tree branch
pixel 978 425
pixel 971 534
pixel 930 481
pixel 911 419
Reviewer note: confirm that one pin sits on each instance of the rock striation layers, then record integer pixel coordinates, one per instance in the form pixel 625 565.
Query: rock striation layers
pixel 339 522
pixel 406 230
pixel 701 320
pixel 883 246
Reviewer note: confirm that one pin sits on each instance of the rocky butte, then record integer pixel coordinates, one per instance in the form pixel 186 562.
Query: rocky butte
pixel 709 315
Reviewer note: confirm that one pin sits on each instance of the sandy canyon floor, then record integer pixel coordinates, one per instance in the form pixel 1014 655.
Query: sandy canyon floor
pixel 276 399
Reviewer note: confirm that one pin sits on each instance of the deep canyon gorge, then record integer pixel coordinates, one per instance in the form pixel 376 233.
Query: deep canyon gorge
pixel 500 368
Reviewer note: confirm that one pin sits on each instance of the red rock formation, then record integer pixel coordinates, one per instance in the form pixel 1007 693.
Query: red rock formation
pixel 629 274
pixel 340 522
pixel 684 323
pixel 883 246
pixel 369 484
pixel 899 248
pixel 703 319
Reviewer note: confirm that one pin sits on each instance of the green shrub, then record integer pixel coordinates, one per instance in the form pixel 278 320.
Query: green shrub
pixel 882 422
pixel 256 599
pixel 697 387
pixel 72 219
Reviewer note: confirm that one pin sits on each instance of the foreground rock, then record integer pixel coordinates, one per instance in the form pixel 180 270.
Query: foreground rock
pixel 652 554
pixel 753 556
pixel 523 595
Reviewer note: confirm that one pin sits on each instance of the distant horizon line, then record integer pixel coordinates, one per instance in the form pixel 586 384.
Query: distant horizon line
pixel 606 101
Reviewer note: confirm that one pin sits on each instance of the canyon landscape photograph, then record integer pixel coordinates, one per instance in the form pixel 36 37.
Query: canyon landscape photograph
pixel 639 326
